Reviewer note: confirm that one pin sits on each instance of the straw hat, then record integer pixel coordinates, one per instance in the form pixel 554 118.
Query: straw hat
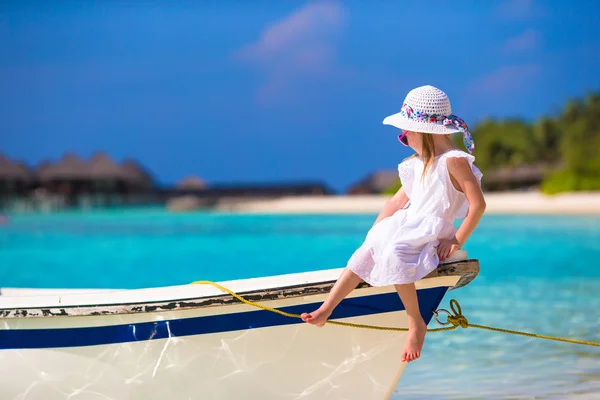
pixel 427 109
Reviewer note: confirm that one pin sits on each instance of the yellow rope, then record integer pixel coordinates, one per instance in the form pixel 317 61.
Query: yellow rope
pixel 456 319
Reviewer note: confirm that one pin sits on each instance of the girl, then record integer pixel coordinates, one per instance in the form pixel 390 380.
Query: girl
pixel 405 244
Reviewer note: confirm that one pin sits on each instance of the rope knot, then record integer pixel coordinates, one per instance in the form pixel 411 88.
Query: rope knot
pixel 455 318
pixel 459 320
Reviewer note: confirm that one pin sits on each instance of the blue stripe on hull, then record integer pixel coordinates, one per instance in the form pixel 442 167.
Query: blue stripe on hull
pixel 429 299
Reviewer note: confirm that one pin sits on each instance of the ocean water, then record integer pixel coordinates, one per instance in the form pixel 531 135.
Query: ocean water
pixel 538 274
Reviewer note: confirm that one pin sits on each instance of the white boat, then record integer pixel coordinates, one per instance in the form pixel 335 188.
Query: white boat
pixel 196 342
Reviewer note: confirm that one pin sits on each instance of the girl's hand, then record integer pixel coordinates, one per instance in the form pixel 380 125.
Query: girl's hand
pixel 447 247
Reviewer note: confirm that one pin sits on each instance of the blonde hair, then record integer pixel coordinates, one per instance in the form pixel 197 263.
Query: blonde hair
pixel 428 152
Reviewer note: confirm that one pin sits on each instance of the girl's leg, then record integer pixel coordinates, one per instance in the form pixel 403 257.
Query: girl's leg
pixel 346 283
pixel 417 328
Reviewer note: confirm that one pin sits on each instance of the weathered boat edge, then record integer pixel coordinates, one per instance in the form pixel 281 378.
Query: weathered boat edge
pixel 467 270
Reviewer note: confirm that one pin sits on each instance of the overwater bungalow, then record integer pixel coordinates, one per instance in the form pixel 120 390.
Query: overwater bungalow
pixel 138 178
pixel 275 189
pixel 73 181
pixel 524 177
pixel 99 175
pixel 191 183
pixel 101 181
pixel 193 193
pixel 15 177
pixel 375 183
pixel 68 176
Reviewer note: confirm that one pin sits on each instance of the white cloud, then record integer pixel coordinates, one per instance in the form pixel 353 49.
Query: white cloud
pixel 301 45
pixel 517 9
pixel 529 40
pixel 506 79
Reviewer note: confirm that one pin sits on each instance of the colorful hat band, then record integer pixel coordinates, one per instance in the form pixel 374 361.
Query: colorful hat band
pixel 450 121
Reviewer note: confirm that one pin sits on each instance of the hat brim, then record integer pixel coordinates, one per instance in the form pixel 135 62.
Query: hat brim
pixel 401 122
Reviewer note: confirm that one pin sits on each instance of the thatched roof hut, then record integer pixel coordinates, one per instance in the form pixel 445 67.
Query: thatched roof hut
pixel 375 183
pixel 192 182
pixel 42 167
pixel 136 174
pixel 104 168
pixel 191 201
pixel 69 168
pixel 101 169
pixel 14 171
pixel 511 178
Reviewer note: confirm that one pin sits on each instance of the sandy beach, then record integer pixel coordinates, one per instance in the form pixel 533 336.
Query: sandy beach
pixel 587 203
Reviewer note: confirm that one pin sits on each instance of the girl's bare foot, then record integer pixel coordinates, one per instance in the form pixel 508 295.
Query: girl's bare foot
pixel 318 317
pixel 414 341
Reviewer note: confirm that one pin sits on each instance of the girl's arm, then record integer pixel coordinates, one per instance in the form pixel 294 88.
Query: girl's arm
pixel 394 204
pixel 460 170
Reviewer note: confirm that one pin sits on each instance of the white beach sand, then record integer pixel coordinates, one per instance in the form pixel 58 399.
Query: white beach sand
pixel 497 203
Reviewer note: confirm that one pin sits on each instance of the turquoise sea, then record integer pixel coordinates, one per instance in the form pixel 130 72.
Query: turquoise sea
pixel 539 274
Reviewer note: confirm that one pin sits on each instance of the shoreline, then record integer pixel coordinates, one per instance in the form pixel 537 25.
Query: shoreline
pixel 584 203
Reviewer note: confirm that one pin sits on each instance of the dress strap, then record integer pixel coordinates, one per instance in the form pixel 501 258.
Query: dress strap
pixel 457 153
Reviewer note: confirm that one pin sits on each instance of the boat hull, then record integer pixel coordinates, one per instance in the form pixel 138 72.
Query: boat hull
pixel 220 351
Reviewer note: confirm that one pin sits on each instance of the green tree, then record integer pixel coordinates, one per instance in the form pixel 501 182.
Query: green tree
pixel 546 141
pixel 503 144
pixel 392 189
pixel 579 146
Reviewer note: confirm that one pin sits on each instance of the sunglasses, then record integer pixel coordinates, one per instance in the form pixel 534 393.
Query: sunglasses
pixel 402 138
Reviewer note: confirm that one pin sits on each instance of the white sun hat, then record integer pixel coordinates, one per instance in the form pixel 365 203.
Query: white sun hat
pixel 427 109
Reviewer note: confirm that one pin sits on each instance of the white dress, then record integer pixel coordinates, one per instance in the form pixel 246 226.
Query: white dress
pixel 402 248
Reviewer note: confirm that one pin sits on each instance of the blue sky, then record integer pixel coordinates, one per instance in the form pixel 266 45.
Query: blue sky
pixel 275 90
